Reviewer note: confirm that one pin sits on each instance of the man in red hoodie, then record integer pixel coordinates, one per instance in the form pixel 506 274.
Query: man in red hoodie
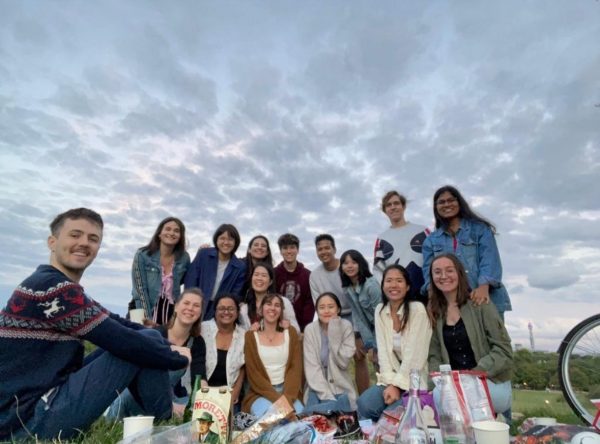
pixel 292 280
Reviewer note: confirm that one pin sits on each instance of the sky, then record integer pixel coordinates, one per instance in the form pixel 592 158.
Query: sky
pixel 297 117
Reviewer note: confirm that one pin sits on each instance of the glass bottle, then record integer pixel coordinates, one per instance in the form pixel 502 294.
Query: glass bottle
pixel 412 429
pixel 187 416
pixel 453 423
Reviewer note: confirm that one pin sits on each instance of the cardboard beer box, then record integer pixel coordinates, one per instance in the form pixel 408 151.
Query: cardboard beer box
pixel 212 414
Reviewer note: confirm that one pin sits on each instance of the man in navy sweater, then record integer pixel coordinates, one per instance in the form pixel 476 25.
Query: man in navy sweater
pixel 46 389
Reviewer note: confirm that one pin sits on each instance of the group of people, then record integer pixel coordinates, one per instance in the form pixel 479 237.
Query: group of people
pixel 262 331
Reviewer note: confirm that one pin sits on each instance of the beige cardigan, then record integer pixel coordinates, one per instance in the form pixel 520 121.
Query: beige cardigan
pixel 341 350
pixel 414 348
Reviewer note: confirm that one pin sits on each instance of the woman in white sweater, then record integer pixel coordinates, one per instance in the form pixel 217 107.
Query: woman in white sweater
pixel 403 332
pixel 328 349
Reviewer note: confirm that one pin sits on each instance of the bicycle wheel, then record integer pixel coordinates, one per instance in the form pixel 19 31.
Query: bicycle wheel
pixel 578 359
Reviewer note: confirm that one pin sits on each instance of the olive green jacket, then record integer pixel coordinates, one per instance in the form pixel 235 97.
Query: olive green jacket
pixel 488 337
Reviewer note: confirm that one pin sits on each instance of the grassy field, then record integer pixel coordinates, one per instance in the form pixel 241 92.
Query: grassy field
pixel 532 403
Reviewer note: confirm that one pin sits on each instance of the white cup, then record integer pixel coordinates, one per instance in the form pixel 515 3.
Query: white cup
pixel 136 424
pixel 491 432
pixel 137 315
pixel 544 421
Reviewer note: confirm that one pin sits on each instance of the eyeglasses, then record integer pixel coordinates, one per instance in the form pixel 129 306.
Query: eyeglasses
pixel 450 200
pixel 226 309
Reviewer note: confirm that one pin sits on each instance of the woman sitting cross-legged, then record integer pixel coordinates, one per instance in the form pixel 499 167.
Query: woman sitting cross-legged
pixel 328 349
pixel 403 332
pixel 467 336
pixel 273 361
pixel 183 330
pixel 224 340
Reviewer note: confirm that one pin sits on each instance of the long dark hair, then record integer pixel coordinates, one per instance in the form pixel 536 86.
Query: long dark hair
pixel 405 302
pixel 438 305
pixel 363 268
pixel 195 330
pixel 251 295
pixel 464 210
pixel 250 264
pixel 154 244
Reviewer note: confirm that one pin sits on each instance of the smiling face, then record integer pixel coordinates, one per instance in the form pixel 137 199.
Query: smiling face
pixel 226 312
pixel 75 246
pixel 395 286
pixel 259 248
pixel 447 205
pixel 271 310
pixel 289 253
pixel 260 279
pixel 325 251
pixel 225 244
pixel 350 268
pixel 188 309
pixel 327 309
pixel 444 275
pixel 394 209
pixel 170 234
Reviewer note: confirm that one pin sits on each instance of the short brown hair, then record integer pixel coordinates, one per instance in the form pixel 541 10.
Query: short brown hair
pixel 75 214
pixel 387 196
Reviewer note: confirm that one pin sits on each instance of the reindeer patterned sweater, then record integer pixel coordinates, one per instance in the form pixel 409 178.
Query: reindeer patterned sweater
pixel 41 329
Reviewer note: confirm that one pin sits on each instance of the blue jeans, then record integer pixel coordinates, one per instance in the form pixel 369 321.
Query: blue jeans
pixel 86 393
pixel 261 405
pixel 314 404
pixel 125 405
pixel 371 404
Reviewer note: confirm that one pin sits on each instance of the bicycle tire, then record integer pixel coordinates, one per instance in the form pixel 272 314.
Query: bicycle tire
pixel 585 339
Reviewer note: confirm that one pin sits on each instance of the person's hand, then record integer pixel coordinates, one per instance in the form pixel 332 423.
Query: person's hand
pixel 178 410
pixel 203 246
pixel 391 394
pixel 255 326
pixel 284 323
pixel 481 295
pixel 183 351
pixel 149 323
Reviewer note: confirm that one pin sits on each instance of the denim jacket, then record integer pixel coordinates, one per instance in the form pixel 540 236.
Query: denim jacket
pixel 476 249
pixel 363 299
pixel 146 274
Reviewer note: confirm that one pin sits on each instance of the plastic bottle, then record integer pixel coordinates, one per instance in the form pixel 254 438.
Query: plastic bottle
pixel 412 428
pixel 453 423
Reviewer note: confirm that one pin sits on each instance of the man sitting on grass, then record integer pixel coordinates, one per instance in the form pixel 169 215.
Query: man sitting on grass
pixel 46 389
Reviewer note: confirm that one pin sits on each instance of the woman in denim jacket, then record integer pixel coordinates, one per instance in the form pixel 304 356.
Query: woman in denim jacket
pixel 461 231
pixel 159 269
pixel 363 293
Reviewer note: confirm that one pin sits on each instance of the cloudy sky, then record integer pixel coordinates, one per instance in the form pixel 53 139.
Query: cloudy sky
pixel 298 116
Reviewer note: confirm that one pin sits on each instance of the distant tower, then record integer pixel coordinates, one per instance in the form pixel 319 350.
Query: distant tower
pixel 531 342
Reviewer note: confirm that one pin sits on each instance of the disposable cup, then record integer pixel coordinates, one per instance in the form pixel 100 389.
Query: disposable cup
pixel 491 432
pixel 544 421
pixel 137 315
pixel 136 424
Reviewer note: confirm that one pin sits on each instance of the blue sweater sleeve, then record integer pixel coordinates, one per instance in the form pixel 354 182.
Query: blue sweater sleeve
pixel 192 276
pixel 131 345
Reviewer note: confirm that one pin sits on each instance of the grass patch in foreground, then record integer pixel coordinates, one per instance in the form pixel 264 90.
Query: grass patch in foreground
pixel 541 403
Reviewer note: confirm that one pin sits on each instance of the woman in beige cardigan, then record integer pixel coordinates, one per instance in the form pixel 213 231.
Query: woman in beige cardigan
pixel 403 332
pixel 273 358
pixel 328 349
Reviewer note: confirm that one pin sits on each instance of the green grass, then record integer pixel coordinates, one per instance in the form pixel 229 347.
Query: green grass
pixel 534 403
